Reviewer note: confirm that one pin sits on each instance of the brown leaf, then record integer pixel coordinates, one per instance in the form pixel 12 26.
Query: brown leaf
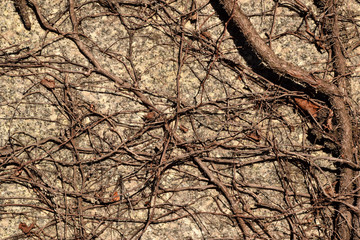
pixel 254 135
pixel 48 83
pixel 150 116
pixel 26 229
pixel 115 197
pixel 307 106
pixel 147 203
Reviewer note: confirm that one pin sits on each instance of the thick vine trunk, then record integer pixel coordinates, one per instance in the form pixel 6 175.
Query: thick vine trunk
pixel 335 95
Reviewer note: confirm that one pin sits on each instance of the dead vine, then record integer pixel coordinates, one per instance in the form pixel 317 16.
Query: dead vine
pixel 178 120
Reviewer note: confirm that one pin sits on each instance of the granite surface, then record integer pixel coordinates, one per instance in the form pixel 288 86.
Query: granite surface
pixel 82 152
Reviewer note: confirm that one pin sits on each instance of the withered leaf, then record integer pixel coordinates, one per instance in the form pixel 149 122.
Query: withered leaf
pixel 150 116
pixel 115 197
pixel 48 83
pixel 307 106
pixel 254 135
pixel 26 229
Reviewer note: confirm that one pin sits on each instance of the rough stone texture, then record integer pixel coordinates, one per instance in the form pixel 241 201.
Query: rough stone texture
pixel 234 106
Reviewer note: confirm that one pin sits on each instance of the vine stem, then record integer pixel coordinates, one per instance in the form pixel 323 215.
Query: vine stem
pixel 334 94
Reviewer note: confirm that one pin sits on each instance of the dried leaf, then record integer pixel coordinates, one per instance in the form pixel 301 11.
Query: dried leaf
pixel 26 229
pixel 115 197
pixel 48 83
pixel 307 106
pixel 147 203
pixel 150 116
pixel 254 135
